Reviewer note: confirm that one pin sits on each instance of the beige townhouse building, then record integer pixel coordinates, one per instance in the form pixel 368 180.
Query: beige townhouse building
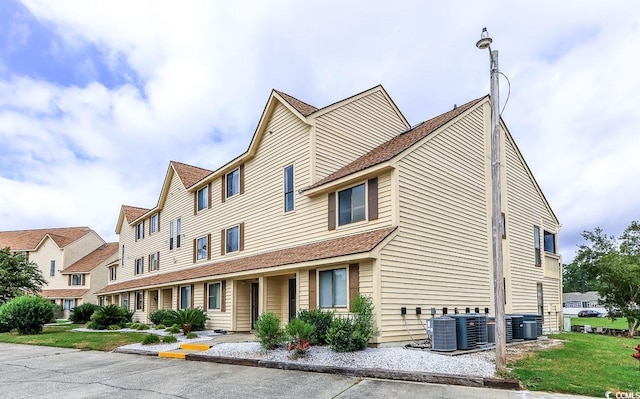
pixel 328 202
pixel 73 260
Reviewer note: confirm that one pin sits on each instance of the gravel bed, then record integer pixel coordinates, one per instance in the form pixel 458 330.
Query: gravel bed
pixel 480 364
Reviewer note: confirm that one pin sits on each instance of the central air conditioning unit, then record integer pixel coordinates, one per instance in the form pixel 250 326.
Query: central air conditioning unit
pixel 508 329
pixel 444 334
pixel 466 331
pixel 537 318
pixel 482 335
pixel 517 327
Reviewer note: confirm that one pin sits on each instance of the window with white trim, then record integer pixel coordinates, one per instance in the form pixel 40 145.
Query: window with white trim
pixel 112 273
pixel 153 261
pixel 536 245
pixel 203 198
pixel 139 300
pixel 153 223
pixel 76 279
pixel 139 266
pixel 333 288
pixel 125 300
pixel 69 304
pixel 288 188
pixel 233 182
pixel 178 231
pixel 185 297
pixel 351 205
pixel 232 239
pixel 201 248
pixel 549 242
pixel 140 230
pixel 52 268
pixel 215 296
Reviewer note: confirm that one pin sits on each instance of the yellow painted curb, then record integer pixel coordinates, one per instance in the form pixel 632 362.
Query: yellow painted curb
pixel 173 355
pixel 195 347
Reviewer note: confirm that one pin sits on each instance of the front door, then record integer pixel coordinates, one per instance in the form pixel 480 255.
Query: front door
pixel 292 298
pixel 254 303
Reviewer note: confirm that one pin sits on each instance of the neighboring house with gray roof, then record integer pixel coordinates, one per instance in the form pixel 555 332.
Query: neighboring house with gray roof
pixel 334 201
pixel 73 260
pixel 574 302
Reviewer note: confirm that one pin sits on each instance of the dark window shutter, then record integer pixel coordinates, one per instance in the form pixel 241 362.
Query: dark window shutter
pixel 312 289
pixel 242 179
pixel 222 239
pixel 70 280
pixel 157 260
pixel 143 229
pixel 373 198
pixel 209 193
pixel 354 281
pixel 158 220
pixel 206 297
pixel 223 296
pixel 331 211
pixel 208 246
pixel 241 238
pixel 192 295
pixel 149 264
pixel 83 276
pixel 194 250
pixel 224 188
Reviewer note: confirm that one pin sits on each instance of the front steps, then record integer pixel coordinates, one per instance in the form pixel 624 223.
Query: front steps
pixel 185 349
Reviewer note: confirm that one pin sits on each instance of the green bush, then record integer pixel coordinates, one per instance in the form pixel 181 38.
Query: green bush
pixel 82 314
pixel 174 329
pixel 4 320
pixel 114 327
pixel 28 314
pixel 352 333
pixel 160 327
pixel 321 320
pixel 268 330
pixel 169 339
pixel 188 319
pixel 192 335
pixel 298 329
pixel 150 339
pixel 109 315
pixel 161 316
pixel 142 327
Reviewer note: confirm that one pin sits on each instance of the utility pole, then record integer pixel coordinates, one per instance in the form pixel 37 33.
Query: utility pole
pixel 496 204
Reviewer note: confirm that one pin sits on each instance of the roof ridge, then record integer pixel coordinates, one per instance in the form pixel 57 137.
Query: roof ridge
pixel 304 108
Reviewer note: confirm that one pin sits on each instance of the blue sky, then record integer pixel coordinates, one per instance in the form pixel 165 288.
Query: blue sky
pixel 97 97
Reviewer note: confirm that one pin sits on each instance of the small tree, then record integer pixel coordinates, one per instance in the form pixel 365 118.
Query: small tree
pixel 268 330
pixel 28 314
pixel 17 276
pixel 615 263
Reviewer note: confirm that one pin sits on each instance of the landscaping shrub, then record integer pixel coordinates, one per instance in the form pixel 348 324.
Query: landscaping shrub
pixel 150 339
pixel 4 320
pixel 82 314
pixel 352 333
pixel 160 327
pixel 192 335
pixel 174 329
pixel 188 319
pixel 299 333
pixel 161 316
pixel 28 314
pixel 268 330
pixel 142 327
pixel 114 327
pixel 321 320
pixel 169 339
pixel 109 315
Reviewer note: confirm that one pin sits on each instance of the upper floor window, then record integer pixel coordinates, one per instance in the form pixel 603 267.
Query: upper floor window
pixel 288 188
pixel 154 224
pixel 112 273
pixel 52 268
pixel 171 235
pixel 140 230
pixel 549 242
pixel 178 231
pixel 233 183
pixel 122 255
pixel 536 244
pixel 202 198
pixel 153 261
pixel 175 232
pixel 333 288
pixel 139 265
pixel 232 239
pixel 76 279
pixel 201 248
pixel 351 205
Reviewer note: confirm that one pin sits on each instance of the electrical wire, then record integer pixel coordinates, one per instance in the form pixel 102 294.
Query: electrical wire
pixel 408 331
pixel 508 92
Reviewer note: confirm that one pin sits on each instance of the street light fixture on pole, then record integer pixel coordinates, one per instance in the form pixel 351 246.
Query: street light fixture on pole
pixel 496 206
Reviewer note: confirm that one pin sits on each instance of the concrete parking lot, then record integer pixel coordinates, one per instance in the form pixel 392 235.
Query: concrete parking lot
pixel 37 372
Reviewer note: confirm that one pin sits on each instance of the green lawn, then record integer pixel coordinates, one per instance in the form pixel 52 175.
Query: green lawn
pixel 62 336
pixel 619 323
pixel 587 364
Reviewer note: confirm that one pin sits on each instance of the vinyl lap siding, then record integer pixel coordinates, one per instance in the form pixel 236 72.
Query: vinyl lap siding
pixel 440 256
pixel 352 130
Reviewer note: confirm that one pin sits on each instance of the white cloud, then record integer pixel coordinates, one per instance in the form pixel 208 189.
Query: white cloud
pixel 199 74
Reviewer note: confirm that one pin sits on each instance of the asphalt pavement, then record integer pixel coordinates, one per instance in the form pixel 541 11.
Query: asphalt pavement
pixel 38 372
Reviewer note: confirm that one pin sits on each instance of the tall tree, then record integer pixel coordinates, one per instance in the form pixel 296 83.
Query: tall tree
pixel 576 279
pixel 17 276
pixel 615 263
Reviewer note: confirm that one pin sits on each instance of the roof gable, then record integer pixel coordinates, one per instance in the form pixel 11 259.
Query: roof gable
pixel 29 240
pixel 188 174
pixel 397 145
pixel 303 108
pixel 93 259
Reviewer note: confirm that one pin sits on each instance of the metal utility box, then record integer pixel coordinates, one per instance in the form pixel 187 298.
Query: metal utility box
pixel 444 334
pixel 466 331
pixel 530 328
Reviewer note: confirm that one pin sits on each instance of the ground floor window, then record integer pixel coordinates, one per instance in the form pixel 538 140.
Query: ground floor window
pixel 69 304
pixel 333 288
pixel 125 300
pixel 139 300
pixel 185 297
pixel 539 292
pixel 215 296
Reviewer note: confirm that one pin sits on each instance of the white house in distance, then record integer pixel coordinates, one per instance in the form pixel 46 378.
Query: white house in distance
pixel 73 260
pixel 345 199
